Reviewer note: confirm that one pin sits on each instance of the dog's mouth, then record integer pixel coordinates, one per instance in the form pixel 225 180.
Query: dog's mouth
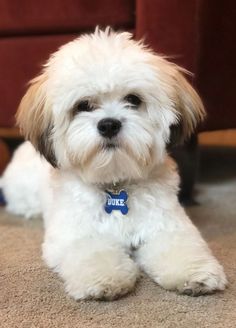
pixel 110 145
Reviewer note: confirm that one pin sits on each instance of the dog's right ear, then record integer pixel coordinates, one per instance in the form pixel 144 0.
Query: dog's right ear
pixel 34 117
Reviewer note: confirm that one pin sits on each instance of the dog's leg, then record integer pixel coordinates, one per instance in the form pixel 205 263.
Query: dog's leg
pixel 181 260
pixel 95 268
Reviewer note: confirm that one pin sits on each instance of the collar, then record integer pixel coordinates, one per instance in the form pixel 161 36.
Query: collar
pixel 114 187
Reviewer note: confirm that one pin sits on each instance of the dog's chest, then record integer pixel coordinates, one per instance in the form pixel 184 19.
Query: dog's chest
pixel 130 217
pixel 126 213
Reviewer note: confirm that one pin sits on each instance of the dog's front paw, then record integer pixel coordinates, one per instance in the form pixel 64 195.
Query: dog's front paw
pixel 108 288
pixel 204 282
pixel 105 275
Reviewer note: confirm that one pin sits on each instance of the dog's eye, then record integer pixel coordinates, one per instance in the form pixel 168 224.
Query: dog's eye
pixel 82 106
pixel 133 100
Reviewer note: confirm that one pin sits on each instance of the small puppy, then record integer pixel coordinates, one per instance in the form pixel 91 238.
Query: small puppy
pixel 101 113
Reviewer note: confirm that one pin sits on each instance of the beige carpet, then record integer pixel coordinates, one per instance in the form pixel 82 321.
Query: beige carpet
pixel 31 296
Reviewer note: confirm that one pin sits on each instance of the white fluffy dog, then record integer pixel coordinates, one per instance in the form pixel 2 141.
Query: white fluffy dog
pixel 101 113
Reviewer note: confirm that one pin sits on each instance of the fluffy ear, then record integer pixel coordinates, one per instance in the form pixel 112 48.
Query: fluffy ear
pixel 189 106
pixel 34 117
pixel 186 102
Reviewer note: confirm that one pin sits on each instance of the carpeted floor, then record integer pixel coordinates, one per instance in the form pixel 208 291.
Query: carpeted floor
pixel 31 296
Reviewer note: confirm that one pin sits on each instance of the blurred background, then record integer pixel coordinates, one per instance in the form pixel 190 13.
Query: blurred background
pixel 199 35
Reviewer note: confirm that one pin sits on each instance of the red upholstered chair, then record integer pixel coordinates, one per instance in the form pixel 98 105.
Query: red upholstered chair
pixel 201 36
pixel 197 34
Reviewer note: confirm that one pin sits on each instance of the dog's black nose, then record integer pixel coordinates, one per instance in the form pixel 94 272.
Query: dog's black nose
pixel 109 127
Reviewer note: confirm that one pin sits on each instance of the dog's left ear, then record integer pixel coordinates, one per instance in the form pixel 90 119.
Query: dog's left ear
pixel 187 104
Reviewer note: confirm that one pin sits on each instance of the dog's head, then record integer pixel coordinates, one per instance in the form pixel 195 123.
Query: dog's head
pixel 104 106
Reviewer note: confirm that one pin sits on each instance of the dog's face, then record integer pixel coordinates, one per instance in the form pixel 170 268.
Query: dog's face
pixel 104 106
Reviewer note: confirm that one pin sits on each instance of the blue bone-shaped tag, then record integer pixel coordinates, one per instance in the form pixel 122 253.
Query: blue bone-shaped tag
pixel 116 202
